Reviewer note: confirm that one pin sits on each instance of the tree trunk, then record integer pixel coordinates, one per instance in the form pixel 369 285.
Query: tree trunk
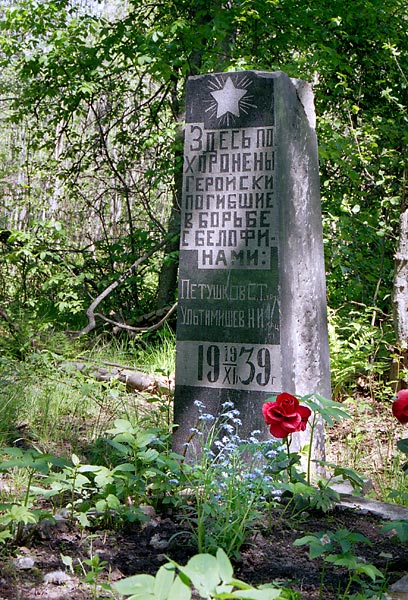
pixel 400 304
pixel 167 286
pixel 201 13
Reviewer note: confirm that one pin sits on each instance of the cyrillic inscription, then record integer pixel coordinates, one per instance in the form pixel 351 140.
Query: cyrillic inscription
pixel 229 212
pixel 228 325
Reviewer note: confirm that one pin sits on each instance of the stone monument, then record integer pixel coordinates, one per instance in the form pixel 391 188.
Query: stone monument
pixel 252 302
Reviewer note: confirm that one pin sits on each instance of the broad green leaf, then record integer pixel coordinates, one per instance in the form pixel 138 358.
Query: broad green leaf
pixel 144 438
pixel 179 591
pixel 354 478
pixel 137 584
pixel 266 594
pixel 125 468
pixel 163 581
pixel 89 469
pixel 120 447
pixel 143 60
pixel 121 426
pixel 4 536
pixel 347 559
pixel 101 506
pixel 202 571
pixel 224 566
pixel 370 570
pixel 83 520
pixel 400 528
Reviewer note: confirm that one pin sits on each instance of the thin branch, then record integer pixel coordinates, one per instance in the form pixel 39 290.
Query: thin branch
pixel 139 329
pixel 90 313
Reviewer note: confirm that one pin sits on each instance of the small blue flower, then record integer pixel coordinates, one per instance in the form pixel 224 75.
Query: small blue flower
pixel 206 417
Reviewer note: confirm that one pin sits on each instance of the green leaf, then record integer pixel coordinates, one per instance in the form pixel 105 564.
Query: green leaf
pixel 119 447
pixel 144 438
pixel 163 581
pixel 89 469
pixel 400 528
pixel 354 478
pixel 83 520
pixel 369 570
pixel 403 445
pixel 202 571
pixel 137 585
pixel 68 562
pixel 124 467
pixel 316 547
pixel 224 566
pixel 347 559
pixel 265 594
pixel 121 426
pixel 179 590
pixel 143 60
pixel 4 536
pixel 18 514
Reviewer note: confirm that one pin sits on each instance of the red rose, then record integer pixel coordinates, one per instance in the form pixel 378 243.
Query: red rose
pixel 285 415
pixel 400 407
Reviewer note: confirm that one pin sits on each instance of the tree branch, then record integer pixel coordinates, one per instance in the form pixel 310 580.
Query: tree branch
pixel 139 329
pixel 90 313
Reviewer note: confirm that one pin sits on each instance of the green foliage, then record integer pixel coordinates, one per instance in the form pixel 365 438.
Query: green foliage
pixel 39 392
pixel 228 480
pixel 31 463
pixel 211 576
pixel 326 543
pixel 43 276
pixel 93 569
pixel 402 445
pixel 99 99
pixel 359 345
pixel 398 528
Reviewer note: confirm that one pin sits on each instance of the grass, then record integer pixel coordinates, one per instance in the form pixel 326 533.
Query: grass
pixel 45 400
pixel 48 403
pixel 367 443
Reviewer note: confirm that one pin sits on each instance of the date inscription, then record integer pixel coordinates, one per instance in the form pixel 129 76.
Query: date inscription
pixel 228 365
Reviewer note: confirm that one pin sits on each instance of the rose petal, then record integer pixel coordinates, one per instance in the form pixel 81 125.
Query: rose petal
pixel 403 395
pixel 278 431
pixel 400 407
pixel 305 413
pixel 287 403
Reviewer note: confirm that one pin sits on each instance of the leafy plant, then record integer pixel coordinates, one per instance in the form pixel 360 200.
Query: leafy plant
pixel 296 485
pixel 211 576
pixel 31 463
pixel 96 566
pixel 325 544
pixel 152 472
pixel 398 528
pixel 228 482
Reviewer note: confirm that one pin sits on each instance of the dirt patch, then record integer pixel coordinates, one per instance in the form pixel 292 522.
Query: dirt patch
pixel 269 555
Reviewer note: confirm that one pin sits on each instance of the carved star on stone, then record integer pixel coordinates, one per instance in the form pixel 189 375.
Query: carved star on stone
pixel 228 98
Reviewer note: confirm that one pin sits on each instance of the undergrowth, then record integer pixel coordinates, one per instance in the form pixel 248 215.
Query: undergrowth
pixel 98 452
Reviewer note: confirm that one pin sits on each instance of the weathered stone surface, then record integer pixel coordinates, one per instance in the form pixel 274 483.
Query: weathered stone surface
pixel 252 303
pixel 386 510
pixel 399 589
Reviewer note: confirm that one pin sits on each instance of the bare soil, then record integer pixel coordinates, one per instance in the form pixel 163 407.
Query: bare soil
pixel 268 556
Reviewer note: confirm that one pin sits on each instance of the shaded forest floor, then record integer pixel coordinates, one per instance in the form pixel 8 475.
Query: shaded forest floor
pixel 35 570
pixel 268 556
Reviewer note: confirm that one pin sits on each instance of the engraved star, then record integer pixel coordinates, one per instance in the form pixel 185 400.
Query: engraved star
pixel 228 98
